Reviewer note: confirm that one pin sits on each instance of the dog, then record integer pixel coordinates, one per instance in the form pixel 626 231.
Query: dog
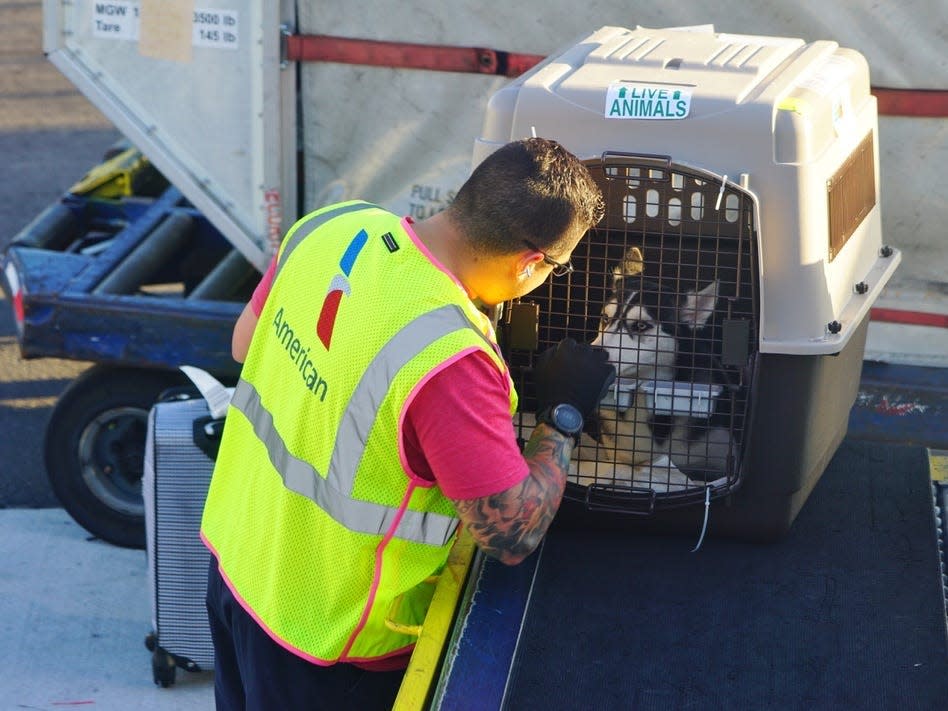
pixel 702 446
pixel 641 329
pixel 621 452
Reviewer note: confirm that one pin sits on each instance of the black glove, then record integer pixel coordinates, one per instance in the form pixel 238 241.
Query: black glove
pixel 572 372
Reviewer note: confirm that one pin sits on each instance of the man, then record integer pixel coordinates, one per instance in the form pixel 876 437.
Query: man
pixel 372 414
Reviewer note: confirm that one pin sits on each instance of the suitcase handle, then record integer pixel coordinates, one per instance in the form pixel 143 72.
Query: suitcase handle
pixel 206 433
pixel 212 390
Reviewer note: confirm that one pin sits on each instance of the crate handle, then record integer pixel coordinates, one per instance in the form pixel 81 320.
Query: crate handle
pixel 597 499
pixel 639 160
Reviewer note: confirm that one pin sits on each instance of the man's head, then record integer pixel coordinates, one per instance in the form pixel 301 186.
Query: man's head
pixel 522 211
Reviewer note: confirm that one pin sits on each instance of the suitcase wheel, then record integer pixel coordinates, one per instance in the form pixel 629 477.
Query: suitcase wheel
pixel 162 664
pixel 162 668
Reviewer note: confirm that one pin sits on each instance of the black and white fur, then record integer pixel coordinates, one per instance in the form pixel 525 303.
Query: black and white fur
pixel 641 329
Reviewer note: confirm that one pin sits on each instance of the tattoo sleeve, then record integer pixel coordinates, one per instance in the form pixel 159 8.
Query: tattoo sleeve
pixel 510 525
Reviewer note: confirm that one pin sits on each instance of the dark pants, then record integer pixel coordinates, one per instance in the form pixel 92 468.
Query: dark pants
pixel 251 671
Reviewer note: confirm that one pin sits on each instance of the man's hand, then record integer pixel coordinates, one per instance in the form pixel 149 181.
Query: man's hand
pixel 509 525
pixel 572 372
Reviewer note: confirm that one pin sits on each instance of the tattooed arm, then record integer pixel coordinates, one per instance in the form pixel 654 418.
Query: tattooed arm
pixel 510 525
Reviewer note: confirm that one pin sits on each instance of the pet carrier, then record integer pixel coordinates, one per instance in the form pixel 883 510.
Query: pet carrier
pixel 730 280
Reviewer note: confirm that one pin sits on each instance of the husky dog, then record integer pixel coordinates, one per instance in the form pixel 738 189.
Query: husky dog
pixel 699 445
pixel 640 329
pixel 624 451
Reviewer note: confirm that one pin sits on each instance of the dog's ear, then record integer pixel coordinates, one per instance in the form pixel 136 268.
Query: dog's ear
pixel 632 262
pixel 632 265
pixel 698 306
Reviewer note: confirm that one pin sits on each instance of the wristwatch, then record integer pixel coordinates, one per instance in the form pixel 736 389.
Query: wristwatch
pixel 564 418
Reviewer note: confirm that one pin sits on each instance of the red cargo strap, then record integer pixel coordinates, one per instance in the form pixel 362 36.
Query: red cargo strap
pixel 930 103
pixel 406 55
pixel 911 318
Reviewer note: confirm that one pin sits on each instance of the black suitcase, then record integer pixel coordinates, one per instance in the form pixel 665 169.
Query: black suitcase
pixel 180 448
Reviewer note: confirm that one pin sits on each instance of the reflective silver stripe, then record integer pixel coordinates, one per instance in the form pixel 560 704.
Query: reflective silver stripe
pixel 301 477
pixel 367 397
pixel 305 229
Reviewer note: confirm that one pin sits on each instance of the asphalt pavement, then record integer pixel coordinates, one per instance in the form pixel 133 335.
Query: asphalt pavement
pixel 50 135
pixel 74 611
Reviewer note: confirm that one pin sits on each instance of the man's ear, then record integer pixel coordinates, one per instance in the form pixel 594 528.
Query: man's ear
pixel 528 260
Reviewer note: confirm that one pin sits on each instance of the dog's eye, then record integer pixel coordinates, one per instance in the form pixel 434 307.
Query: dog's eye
pixel 640 326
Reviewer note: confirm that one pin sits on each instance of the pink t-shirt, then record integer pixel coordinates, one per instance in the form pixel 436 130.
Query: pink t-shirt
pixel 457 429
pixel 259 297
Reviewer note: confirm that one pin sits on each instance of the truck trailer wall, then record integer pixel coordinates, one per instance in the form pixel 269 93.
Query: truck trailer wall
pixel 403 138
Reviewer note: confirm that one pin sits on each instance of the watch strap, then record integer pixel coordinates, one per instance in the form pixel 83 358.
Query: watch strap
pixel 546 417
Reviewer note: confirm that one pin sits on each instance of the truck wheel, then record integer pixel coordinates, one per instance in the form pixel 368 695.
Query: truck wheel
pixel 94 449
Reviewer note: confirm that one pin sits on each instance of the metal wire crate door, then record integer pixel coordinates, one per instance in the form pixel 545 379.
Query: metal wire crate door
pixel 667 284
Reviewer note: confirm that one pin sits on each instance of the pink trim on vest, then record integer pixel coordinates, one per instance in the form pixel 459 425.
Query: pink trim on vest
pixel 249 610
pixel 282 642
pixel 406 225
pixel 403 458
pixel 379 551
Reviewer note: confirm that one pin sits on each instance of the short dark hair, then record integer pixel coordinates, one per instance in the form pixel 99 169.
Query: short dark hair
pixel 532 189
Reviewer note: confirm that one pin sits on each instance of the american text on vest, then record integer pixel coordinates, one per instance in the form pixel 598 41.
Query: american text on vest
pixel 299 354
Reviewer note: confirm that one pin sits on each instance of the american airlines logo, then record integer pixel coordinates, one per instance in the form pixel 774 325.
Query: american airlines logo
pixel 338 287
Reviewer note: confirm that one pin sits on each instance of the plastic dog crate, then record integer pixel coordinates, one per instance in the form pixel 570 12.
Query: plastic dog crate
pixel 730 279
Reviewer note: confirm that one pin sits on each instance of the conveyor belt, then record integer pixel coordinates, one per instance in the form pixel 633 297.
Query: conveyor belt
pixel 901 404
pixel 846 612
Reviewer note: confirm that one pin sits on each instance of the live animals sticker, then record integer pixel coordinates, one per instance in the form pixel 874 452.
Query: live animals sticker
pixel 633 100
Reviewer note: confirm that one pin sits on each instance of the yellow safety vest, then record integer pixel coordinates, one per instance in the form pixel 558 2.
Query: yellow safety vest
pixel 315 521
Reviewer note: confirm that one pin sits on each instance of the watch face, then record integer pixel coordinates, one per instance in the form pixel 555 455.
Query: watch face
pixel 567 418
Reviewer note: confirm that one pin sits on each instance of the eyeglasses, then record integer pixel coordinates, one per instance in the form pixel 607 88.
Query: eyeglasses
pixel 559 268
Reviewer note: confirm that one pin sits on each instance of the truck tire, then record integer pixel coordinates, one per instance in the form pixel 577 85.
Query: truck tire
pixel 94 449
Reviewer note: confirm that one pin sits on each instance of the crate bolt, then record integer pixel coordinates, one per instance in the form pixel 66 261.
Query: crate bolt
pixel 862 287
pixel 834 327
